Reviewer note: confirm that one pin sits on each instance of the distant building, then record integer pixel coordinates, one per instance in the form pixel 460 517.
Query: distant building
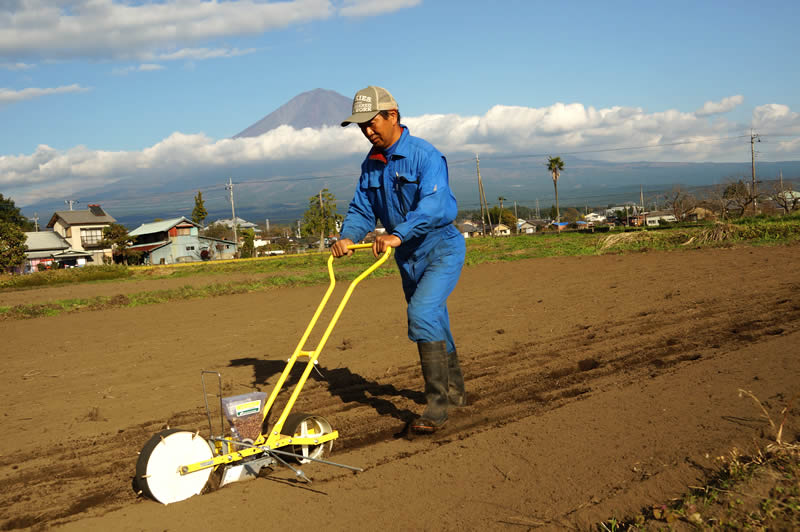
pixel 48 249
pixel 178 240
pixel 84 230
pixel 240 223
pixel 501 230
pixel 653 219
pixel 468 230
pixel 595 217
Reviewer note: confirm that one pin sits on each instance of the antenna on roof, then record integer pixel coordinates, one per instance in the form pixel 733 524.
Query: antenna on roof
pixel 71 202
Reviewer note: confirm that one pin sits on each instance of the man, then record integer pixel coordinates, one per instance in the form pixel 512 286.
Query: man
pixel 404 184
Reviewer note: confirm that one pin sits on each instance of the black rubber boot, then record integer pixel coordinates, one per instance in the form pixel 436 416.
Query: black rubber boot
pixel 455 392
pixel 434 361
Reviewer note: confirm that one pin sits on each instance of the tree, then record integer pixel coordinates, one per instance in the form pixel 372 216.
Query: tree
pixel 555 165
pixel 248 248
pixel 553 212
pixel 10 213
pixel 12 246
pixel 739 196
pixel 217 230
pixel 680 202
pixel 199 212
pixel 115 236
pixel 320 218
pixel 571 214
pixel 505 216
pixel 786 198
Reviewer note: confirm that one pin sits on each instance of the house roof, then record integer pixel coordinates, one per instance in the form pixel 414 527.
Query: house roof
pixel 240 222
pixel 160 227
pixel 71 254
pixel 231 242
pixel 45 241
pixel 93 215
pixel 148 247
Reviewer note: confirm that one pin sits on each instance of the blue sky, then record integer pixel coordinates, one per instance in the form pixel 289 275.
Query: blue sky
pixel 100 91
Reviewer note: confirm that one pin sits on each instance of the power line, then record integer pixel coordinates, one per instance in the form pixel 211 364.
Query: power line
pixel 602 150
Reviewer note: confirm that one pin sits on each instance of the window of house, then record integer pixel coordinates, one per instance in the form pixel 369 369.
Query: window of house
pixel 189 248
pixel 91 237
pixel 184 231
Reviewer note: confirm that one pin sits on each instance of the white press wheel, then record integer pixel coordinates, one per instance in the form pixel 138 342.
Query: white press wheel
pixel 157 470
pixel 308 426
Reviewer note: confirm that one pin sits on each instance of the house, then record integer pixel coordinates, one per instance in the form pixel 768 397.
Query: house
pixel 596 218
pixel 526 227
pixel 468 230
pixel 501 230
pixel 47 250
pixel 178 240
pixel 700 213
pixel 83 230
pixel 240 224
pixel 653 219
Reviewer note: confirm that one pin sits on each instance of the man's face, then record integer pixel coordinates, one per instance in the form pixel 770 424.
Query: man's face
pixel 380 131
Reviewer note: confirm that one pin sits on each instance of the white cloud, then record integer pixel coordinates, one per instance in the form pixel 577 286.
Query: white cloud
pixel 202 53
pixel 106 29
pixel 723 106
pixel 370 8
pixel 149 67
pixel 13 96
pixel 16 66
pixel 503 130
pixel 144 67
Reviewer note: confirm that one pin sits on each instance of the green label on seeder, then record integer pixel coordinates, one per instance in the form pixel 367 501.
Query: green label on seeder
pixel 250 407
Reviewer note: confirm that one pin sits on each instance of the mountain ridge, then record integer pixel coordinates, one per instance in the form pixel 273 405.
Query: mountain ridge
pixel 315 108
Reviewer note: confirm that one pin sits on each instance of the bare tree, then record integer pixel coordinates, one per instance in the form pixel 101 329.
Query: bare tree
pixel 740 197
pixel 786 198
pixel 719 203
pixel 680 201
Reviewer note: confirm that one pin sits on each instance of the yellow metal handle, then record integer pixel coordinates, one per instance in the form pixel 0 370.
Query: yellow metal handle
pixel 272 437
pixel 359 246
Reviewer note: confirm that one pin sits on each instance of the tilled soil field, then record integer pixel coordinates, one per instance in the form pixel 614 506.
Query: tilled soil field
pixel 597 386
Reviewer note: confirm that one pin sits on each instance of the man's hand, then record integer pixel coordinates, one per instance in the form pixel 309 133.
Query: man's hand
pixel 339 248
pixel 384 242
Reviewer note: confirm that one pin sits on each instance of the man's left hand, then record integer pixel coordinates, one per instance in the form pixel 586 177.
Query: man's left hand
pixel 384 242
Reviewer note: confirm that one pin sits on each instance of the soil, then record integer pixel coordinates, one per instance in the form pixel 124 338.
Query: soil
pixel 597 386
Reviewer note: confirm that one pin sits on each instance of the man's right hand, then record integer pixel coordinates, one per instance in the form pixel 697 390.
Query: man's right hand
pixel 339 248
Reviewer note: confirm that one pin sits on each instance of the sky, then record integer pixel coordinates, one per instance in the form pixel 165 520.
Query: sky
pixel 98 92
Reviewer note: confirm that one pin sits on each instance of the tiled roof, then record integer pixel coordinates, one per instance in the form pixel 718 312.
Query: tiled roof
pixel 160 227
pixel 45 240
pixel 94 215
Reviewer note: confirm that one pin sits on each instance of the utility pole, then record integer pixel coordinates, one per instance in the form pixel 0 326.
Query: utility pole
pixel 229 187
pixel 322 222
pixel 538 214
pixel 482 194
pixel 516 218
pixel 641 202
pixel 753 138
pixel 71 202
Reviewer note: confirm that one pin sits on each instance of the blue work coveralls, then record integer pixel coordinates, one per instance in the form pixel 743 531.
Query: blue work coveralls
pixel 406 188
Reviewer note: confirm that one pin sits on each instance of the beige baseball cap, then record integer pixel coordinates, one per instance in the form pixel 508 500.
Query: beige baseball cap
pixel 368 102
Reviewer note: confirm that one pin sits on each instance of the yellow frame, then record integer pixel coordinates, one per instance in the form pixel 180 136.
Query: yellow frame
pixel 274 439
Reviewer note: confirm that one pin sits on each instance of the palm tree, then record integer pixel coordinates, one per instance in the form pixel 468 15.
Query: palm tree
pixel 555 165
